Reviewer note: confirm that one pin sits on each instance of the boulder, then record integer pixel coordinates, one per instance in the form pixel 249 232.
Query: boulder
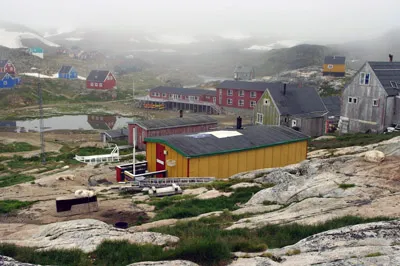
pixel 244 185
pixel 84 234
pixel 374 156
pixel 7 261
pixel 213 194
pixel 165 263
pixel 256 261
pixel 324 138
pixel 84 193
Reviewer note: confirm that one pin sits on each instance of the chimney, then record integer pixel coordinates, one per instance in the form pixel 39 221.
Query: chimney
pixel 390 58
pixel 238 122
pixel 181 113
pixel 284 88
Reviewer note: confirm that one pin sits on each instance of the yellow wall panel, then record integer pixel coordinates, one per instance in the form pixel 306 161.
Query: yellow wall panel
pixel 336 68
pixel 242 161
pixel 223 165
pixel 268 157
pixel 251 159
pixel 259 157
pixel 284 151
pixel 233 163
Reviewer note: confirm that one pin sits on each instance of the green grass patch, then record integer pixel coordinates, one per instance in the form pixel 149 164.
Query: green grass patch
pixel 347 140
pixel 17 147
pixel 346 186
pixel 13 179
pixel 293 252
pixel 7 206
pixel 375 254
pixel 193 207
pixel 203 242
pixel 87 151
pixel 51 257
pixel 140 157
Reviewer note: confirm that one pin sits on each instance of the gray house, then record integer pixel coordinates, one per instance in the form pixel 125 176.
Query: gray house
pixel 298 107
pixel 243 73
pixel 371 102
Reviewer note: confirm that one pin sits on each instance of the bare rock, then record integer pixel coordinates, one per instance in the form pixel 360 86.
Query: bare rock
pixel 165 263
pixel 7 261
pixel 244 185
pixel 256 261
pixel 146 207
pixel 140 197
pixel 147 226
pixel 85 234
pixel 194 191
pixel 213 194
pixel 256 209
pixel 374 156
pixel 325 138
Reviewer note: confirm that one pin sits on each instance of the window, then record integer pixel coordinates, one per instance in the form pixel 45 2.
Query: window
pixel 96 84
pixel 253 103
pixel 100 85
pixel 260 118
pixel 208 97
pixel 4 82
pixel 158 94
pixel 164 95
pixel 153 94
pixel 196 98
pixel 229 101
pixel 241 93
pixel 330 66
pixel 364 78
pixel 230 92
pixel 286 119
pixel 91 84
pixel 352 100
pixel 253 94
pixel 241 102
pixel 375 102
pixel 294 123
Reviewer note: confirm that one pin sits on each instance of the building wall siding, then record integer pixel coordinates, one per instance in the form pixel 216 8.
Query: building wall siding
pixel 335 69
pixel 226 165
pixel 222 98
pixel 363 115
pixel 396 116
pixel 313 127
pixel 390 108
pixel 270 111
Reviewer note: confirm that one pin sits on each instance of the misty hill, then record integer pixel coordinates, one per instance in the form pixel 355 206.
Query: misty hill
pixel 296 57
pixel 18 36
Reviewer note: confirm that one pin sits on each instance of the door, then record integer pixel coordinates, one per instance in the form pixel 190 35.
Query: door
pixel 160 158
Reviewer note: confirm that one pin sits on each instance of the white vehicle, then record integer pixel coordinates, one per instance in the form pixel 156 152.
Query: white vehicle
pixel 393 128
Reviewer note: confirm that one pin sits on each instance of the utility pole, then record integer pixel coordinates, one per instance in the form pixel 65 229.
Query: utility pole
pixel 134 131
pixel 41 126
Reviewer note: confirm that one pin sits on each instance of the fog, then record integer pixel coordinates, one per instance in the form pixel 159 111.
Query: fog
pixel 322 20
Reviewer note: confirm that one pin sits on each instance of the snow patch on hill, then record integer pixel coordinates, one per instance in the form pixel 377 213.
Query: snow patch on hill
pixel 278 44
pixel 54 76
pixel 12 39
pixel 73 39
pixel 60 31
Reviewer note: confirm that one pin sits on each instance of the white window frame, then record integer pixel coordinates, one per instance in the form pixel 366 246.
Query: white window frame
pixel 96 84
pixel 158 94
pixel 229 93
pixel 241 102
pixel 91 84
pixel 253 94
pixel 375 102
pixel 294 123
pixel 164 95
pixel 153 94
pixel 363 78
pixel 330 66
pixel 100 85
pixel 5 82
pixel 241 93
pixel 260 118
pixel 196 98
pixel 229 101
pixel 253 104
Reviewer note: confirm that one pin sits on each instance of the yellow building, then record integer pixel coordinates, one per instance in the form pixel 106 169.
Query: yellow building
pixel 224 153
pixel 334 66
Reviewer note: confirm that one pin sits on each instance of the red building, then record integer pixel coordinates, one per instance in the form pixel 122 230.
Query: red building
pixel 164 127
pixel 7 67
pixel 240 94
pixel 184 94
pixel 100 80
pixel 104 122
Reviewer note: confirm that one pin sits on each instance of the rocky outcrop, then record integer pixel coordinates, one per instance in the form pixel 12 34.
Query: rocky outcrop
pixel 85 234
pixel 256 261
pixel 7 261
pixel 320 189
pixel 244 185
pixel 165 263
pixel 374 156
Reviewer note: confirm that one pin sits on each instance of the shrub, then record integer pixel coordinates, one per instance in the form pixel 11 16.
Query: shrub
pixel 140 157
pixel 346 186
pixel 17 147
pixel 293 252
pixel 375 254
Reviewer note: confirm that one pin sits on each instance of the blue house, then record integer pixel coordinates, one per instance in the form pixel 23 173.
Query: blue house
pixel 67 72
pixel 6 81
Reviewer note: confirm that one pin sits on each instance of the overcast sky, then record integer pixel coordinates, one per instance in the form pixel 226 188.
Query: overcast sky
pixel 330 20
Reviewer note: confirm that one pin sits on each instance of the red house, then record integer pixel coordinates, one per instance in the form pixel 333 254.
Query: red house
pixel 104 122
pixel 184 94
pixel 7 67
pixel 240 94
pixel 164 127
pixel 100 80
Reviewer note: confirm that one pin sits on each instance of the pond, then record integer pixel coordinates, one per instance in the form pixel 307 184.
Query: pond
pixel 68 122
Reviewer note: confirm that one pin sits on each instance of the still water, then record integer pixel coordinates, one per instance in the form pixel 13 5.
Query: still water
pixel 71 122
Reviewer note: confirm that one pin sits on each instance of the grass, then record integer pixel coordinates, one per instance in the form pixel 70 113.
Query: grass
pixel 347 140
pixel 13 179
pixel 293 252
pixel 171 208
pixel 346 186
pixel 7 206
pixel 203 242
pixel 375 254
pixel 140 157
pixel 87 151
pixel 17 147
